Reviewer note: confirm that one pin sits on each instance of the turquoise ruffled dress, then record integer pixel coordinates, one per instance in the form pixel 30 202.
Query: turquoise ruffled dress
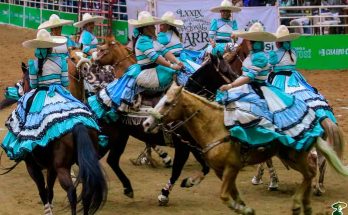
pixel 172 42
pixel 289 80
pixel 88 42
pixel 145 75
pixel 221 31
pixel 45 113
pixel 257 113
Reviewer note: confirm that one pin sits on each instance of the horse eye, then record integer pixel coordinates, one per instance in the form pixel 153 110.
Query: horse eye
pixel 166 103
pixel 73 58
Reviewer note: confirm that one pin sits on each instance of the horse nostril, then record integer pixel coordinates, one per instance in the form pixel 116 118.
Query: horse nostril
pixel 146 124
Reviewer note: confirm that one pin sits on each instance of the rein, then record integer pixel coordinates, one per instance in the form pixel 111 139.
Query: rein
pixel 123 59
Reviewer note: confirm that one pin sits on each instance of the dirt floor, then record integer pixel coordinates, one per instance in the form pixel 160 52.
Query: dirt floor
pixel 18 193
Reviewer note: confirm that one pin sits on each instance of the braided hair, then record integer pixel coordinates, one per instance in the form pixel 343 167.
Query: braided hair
pixel 136 34
pixel 287 47
pixel 41 54
pixel 175 30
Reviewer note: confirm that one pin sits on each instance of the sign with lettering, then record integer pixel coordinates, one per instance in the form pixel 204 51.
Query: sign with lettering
pixel 322 52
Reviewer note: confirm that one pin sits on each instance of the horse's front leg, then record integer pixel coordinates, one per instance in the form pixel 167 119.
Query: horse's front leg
pixel 229 189
pixel 181 155
pixel 257 179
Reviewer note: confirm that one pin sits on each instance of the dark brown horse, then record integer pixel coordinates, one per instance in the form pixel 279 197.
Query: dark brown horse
pixel 235 56
pixel 77 146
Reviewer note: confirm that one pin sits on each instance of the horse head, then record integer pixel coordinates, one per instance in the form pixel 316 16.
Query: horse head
pixel 115 54
pixel 78 64
pixel 167 109
pixel 235 55
pixel 213 73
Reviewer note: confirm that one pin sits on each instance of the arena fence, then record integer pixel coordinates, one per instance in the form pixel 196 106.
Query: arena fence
pixel 30 14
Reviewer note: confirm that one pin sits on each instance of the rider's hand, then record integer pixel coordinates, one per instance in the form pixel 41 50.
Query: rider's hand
pixel 213 43
pixel 225 87
pixel 175 66
pixel 180 64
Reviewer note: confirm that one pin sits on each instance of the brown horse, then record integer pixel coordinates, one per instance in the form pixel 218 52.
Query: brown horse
pixel 77 146
pixel 204 121
pixel 235 56
pixel 115 54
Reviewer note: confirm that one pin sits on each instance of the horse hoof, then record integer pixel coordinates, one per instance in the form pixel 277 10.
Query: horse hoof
pixel 128 192
pixel 248 211
pixel 296 211
pixel 273 186
pixel 256 181
pixel 186 183
pixel 163 200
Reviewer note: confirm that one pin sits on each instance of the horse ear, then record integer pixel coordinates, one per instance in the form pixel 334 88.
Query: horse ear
pixel 24 68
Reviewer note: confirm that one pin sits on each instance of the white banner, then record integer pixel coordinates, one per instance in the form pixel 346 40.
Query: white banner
pixel 133 8
pixel 197 16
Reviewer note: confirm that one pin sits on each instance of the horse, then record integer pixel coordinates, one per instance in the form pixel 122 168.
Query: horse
pixel 78 146
pixel 200 83
pixel 235 55
pixel 226 155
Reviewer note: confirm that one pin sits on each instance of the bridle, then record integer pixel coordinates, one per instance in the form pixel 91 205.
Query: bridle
pixel 159 122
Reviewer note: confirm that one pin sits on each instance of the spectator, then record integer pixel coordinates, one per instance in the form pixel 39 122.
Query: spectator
pixel 237 3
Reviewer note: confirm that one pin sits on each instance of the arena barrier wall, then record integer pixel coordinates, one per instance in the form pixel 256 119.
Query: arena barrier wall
pixel 30 17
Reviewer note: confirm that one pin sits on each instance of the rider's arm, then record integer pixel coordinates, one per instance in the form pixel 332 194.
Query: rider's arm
pixel 64 77
pixel 238 82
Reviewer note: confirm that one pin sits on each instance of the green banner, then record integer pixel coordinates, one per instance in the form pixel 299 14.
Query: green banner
pixel 68 29
pixel 120 30
pixel 16 15
pixel 32 17
pixel 4 13
pixel 325 52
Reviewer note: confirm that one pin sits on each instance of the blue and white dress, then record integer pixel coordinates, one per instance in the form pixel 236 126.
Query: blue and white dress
pixel 88 42
pixel 16 91
pixel 145 75
pixel 257 113
pixel 221 31
pixel 45 113
pixel 172 42
pixel 288 79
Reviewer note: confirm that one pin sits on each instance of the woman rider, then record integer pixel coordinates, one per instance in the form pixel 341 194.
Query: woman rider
pixel 170 38
pixel 48 111
pixel 154 70
pixel 288 79
pixel 221 30
pixel 257 113
pixel 88 40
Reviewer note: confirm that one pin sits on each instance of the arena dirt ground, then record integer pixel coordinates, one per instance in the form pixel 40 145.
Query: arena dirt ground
pixel 18 193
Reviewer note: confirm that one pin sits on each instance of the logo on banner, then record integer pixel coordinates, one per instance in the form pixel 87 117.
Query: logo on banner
pixel 194 33
pixel 251 22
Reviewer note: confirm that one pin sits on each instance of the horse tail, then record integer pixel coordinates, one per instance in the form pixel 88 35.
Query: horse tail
pixel 6 103
pixel 94 186
pixel 331 156
pixel 334 136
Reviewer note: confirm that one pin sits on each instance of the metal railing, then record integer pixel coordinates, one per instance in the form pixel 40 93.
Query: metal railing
pixel 70 6
pixel 318 18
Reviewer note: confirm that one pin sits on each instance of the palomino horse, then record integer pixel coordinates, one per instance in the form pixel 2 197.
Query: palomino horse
pixel 216 69
pixel 227 156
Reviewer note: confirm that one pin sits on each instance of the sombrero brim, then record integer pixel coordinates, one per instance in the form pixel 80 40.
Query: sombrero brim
pixel 256 36
pixel 35 43
pixel 289 37
pixel 138 24
pixel 233 9
pixel 48 24
pixel 176 23
pixel 95 19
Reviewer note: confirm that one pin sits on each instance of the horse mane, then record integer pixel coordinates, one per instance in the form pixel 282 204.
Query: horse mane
pixel 204 100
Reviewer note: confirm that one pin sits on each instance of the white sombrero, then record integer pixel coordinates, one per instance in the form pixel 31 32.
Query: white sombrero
pixel 225 5
pixel 169 18
pixel 145 19
pixel 283 34
pixel 87 18
pixel 256 33
pixel 44 40
pixel 54 21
